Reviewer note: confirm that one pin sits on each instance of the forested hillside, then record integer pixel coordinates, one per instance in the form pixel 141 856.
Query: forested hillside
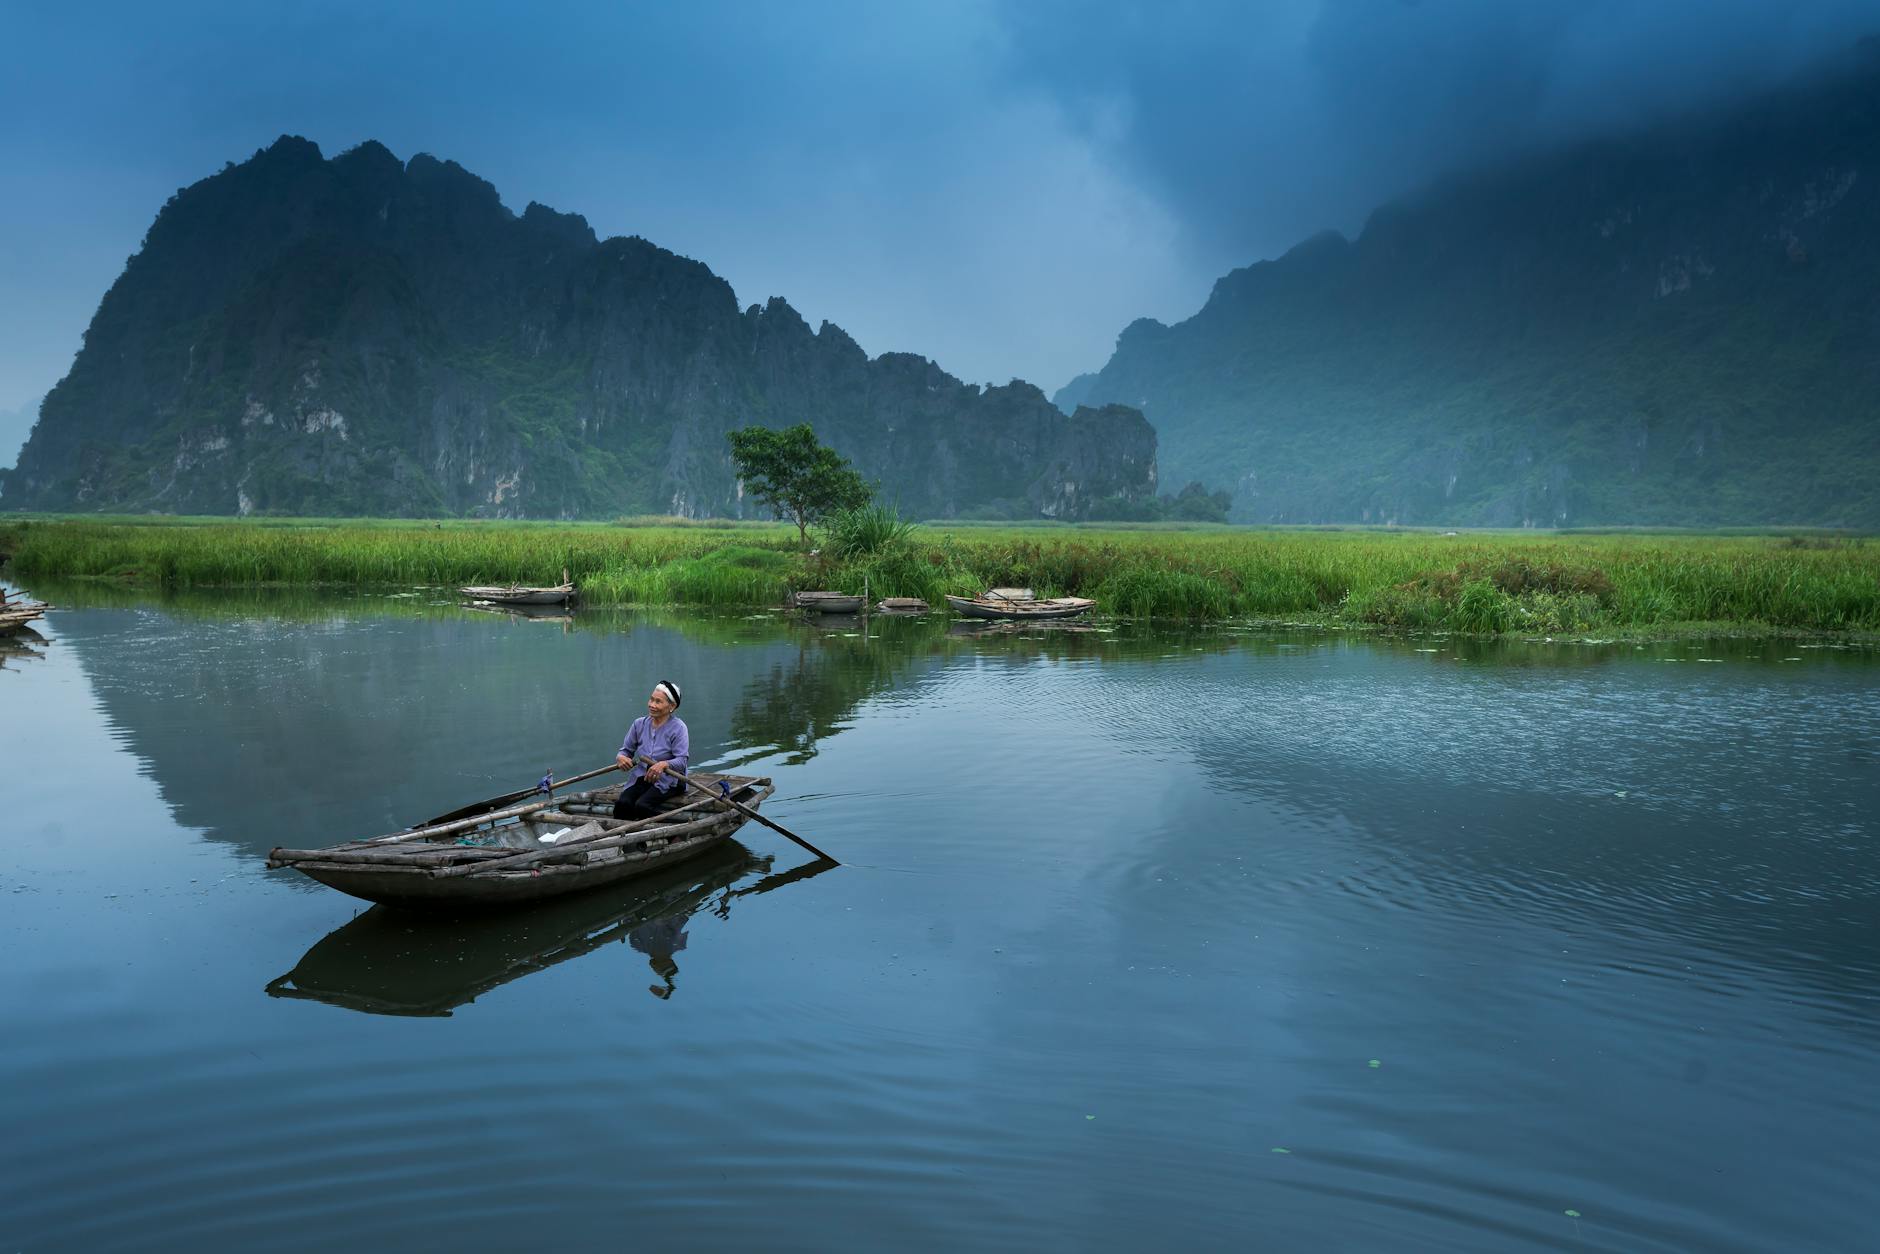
pixel 363 335
pixel 1680 326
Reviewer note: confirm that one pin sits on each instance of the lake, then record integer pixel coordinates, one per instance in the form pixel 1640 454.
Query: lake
pixel 1144 938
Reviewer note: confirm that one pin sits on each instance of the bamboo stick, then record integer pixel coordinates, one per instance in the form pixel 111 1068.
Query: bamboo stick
pixel 641 830
pixel 388 857
pixel 475 820
pixel 512 798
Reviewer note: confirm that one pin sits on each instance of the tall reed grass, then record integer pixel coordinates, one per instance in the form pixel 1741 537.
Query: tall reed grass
pixel 1478 582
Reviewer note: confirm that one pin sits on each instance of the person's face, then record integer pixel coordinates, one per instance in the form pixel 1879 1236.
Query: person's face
pixel 658 704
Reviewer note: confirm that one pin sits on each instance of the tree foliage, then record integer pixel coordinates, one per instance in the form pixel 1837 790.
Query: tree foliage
pixel 1193 503
pixel 796 476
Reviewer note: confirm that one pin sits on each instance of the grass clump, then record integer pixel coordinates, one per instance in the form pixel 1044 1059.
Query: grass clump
pixel 865 531
pixel 1487 596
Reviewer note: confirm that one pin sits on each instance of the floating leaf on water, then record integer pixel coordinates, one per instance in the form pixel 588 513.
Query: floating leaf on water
pixel 1374 1064
pixel 1619 794
pixel 1574 1214
pixel 1090 1116
pixel 1281 1149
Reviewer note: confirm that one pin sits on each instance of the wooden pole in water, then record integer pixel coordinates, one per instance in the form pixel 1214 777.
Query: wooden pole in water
pixel 746 811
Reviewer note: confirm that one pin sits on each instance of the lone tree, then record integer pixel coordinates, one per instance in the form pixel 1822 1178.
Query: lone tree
pixel 794 475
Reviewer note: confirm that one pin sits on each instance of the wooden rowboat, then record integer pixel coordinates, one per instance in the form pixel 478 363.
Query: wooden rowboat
pixel 828 602
pixel 561 594
pixel 1000 607
pixel 901 605
pixel 392 962
pixel 528 850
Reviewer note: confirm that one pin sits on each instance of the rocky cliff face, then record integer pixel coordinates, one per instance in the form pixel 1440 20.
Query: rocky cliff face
pixel 1676 327
pixel 367 336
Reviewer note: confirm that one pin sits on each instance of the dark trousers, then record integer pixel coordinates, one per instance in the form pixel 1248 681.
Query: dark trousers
pixel 640 800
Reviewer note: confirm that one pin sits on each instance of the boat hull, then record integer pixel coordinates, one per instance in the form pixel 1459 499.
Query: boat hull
pixel 402 886
pixel 828 602
pixel 505 863
pixel 1060 607
pixel 520 596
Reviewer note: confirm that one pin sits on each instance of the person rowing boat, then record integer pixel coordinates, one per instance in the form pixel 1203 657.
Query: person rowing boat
pixel 661 736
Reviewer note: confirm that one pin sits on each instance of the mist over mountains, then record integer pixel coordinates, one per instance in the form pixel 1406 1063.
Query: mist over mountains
pixel 1679 326
pixel 363 335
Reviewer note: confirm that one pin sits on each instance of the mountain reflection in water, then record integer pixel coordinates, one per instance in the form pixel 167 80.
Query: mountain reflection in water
pixel 392 962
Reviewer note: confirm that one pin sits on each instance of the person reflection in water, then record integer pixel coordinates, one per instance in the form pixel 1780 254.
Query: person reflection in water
pixel 659 940
pixel 659 735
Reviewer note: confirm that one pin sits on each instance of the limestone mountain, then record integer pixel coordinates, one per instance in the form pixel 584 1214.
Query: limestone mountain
pixel 363 335
pixel 14 426
pixel 1677 326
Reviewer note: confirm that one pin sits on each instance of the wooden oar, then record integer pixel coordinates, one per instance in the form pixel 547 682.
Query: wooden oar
pixel 510 798
pixel 746 811
pixel 449 826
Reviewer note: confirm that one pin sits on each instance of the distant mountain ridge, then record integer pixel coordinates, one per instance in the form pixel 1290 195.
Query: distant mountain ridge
pixel 363 335
pixel 1678 327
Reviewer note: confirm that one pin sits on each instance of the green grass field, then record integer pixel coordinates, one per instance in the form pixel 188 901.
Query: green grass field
pixel 1479 582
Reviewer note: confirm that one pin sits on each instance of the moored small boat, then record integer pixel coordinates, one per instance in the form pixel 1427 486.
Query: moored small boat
pixel 515 594
pixel 990 606
pixel 828 602
pixel 507 853
pixel 901 605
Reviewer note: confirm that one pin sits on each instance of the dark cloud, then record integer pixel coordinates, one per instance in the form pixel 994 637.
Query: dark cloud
pixel 1001 186
pixel 1261 124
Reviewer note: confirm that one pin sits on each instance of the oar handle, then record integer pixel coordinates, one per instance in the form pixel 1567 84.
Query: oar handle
pixel 575 779
pixel 745 810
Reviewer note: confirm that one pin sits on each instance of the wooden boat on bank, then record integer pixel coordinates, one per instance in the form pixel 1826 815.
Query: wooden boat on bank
pixel 1020 609
pixel 497 854
pixel 18 615
pixel 515 594
pixel 828 602
pixel 901 605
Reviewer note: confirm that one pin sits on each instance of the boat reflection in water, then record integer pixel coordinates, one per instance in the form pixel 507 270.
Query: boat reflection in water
pixel 393 962
pixel 21 644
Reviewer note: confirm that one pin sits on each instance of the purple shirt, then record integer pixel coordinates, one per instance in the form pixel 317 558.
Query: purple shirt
pixel 670 743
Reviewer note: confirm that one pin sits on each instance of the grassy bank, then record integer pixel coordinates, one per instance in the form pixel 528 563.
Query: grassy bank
pixel 1474 582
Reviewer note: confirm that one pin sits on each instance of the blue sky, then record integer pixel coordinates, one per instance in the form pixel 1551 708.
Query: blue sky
pixel 999 186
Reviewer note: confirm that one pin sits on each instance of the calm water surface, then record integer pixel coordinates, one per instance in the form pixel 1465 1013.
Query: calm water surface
pixel 1148 939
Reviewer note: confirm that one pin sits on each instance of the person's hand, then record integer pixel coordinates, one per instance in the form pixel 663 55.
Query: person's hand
pixel 656 770
pixel 622 761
